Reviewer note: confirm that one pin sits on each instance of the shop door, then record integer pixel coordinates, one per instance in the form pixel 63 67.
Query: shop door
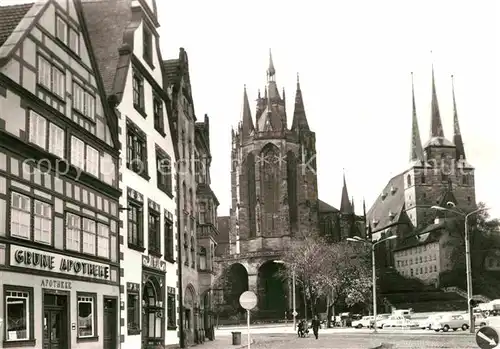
pixel 110 323
pixel 54 329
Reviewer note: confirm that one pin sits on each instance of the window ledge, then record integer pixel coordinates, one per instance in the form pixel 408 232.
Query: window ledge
pixel 141 111
pixel 171 328
pixel 155 253
pixel 149 61
pixel 17 344
pixel 161 131
pixel 166 191
pixel 136 247
pixel 170 260
pixel 87 339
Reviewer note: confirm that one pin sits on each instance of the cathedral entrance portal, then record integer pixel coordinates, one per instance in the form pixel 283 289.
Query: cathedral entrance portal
pixel 272 291
pixel 237 283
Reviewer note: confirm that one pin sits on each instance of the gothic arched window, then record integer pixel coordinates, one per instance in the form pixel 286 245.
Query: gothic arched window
pixel 251 194
pixel 270 186
pixel 408 180
pixel 203 258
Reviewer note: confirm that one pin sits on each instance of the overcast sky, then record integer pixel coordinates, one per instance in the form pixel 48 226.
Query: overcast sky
pixel 354 60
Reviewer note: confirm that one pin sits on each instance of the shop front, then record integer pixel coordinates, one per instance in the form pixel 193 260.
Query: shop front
pixel 54 301
pixel 153 301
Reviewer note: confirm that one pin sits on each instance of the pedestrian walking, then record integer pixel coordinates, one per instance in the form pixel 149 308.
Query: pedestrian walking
pixel 315 325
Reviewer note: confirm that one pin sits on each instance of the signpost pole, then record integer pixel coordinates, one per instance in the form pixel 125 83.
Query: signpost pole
pixel 248 301
pixel 248 327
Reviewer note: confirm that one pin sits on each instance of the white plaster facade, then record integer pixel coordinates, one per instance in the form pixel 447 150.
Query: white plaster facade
pixel 132 263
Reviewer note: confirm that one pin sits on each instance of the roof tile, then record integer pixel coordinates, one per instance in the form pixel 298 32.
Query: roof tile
pixel 10 16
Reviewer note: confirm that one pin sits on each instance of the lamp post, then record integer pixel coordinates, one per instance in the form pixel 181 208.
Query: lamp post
pixel 468 269
pixel 374 272
pixel 293 294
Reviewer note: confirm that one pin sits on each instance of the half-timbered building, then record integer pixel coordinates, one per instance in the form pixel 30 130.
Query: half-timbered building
pixel 125 40
pixel 59 188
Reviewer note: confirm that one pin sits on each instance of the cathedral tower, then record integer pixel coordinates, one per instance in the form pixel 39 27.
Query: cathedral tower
pixel 439 172
pixel 273 173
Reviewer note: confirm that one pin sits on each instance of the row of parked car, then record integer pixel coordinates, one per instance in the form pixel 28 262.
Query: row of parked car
pixel 437 322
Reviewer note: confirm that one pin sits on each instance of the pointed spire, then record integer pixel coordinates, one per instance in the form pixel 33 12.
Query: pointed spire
pixel 436 124
pixel 299 114
pixel 270 71
pixel 247 126
pixel 345 203
pixel 457 135
pixel 416 151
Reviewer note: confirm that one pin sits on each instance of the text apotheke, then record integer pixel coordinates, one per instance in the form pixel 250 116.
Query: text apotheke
pixel 53 262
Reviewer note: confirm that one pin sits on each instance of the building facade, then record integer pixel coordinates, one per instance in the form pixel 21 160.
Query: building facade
pixel 274 200
pixel 59 187
pixel 207 222
pixel 126 43
pixel 438 175
pixel 195 200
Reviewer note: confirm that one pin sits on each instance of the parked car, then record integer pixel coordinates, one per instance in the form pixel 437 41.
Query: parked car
pixel 399 321
pixel 426 324
pixel 365 321
pixel 382 319
pixel 451 321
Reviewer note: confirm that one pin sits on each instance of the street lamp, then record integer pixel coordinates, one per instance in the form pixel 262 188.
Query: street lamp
pixel 293 294
pixel 374 273
pixel 468 270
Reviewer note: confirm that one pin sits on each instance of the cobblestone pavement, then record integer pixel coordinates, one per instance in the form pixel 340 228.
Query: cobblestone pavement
pixel 353 341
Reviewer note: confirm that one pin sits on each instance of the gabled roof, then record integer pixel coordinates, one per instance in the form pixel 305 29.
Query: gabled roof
pixel 10 16
pixel 388 206
pixel 326 208
pixel 111 26
pixel 431 233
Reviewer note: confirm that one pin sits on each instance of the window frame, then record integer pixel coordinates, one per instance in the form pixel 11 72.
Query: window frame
pixel 88 161
pixel 85 105
pixel 32 201
pixel 158 115
pixel 168 228
pixel 138 91
pixel 81 232
pixel 164 172
pixel 132 331
pixel 171 309
pixel 154 231
pixel 30 341
pixel 95 333
pixel 139 244
pixel 137 149
pixel 53 146
pixel 147 44
pixel 68 28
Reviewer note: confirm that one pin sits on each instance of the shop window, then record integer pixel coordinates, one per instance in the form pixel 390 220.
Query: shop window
pixel 87 316
pixel 171 309
pixel 133 312
pixel 19 320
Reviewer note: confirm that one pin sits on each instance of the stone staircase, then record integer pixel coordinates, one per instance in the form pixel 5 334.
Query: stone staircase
pixel 477 297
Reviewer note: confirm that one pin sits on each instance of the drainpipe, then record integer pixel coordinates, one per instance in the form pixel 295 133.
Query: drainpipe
pixel 182 342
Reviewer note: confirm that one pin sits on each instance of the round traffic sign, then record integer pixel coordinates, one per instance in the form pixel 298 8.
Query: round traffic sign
pixel 248 300
pixel 487 337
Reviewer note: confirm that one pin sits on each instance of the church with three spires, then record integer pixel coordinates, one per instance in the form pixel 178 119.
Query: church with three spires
pixel 438 174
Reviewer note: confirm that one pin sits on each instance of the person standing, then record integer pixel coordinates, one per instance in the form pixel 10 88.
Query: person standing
pixel 315 325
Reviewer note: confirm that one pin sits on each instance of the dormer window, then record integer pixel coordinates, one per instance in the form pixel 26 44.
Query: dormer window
pixel 391 215
pixel 393 190
pixel 375 222
pixel 384 195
